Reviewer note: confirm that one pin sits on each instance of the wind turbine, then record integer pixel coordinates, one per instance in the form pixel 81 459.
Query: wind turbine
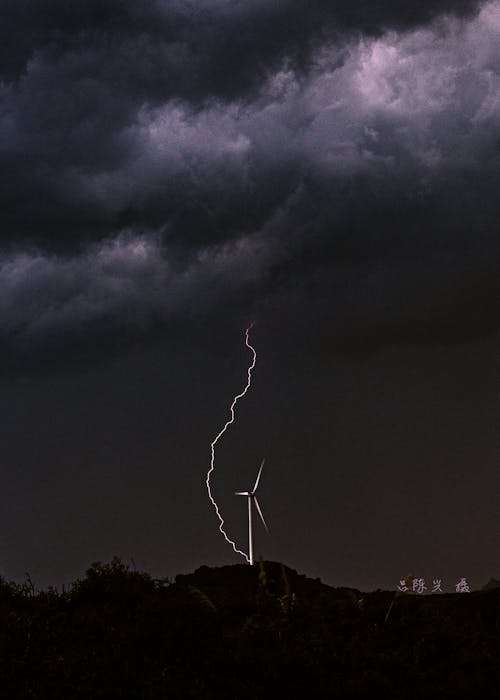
pixel 252 498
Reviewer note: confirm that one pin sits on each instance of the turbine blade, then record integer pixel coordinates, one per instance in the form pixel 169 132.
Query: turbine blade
pixel 241 493
pixel 260 513
pixel 258 476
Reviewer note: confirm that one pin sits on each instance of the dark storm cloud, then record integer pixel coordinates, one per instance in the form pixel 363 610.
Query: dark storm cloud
pixel 208 36
pixel 163 158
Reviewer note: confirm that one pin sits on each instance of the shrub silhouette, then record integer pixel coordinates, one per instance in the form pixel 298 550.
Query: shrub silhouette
pixel 114 581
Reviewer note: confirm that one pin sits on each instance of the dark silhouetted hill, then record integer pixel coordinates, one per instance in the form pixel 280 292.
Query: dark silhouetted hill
pixel 243 633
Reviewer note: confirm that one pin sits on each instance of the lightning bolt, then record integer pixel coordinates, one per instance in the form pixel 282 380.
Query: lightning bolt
pixel 221 433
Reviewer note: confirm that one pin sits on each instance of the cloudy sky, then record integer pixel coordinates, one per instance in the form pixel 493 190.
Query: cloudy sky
pixel 174 170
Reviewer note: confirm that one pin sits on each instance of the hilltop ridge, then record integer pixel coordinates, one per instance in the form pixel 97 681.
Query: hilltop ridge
pixel 241 632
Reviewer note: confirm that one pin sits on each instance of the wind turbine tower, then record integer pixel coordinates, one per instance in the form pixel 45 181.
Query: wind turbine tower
pixel 252 500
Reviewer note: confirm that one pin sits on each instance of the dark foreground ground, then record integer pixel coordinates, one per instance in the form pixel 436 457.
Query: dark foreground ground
pixel 241 632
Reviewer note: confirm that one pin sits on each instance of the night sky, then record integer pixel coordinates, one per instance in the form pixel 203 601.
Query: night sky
pixel 172 170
